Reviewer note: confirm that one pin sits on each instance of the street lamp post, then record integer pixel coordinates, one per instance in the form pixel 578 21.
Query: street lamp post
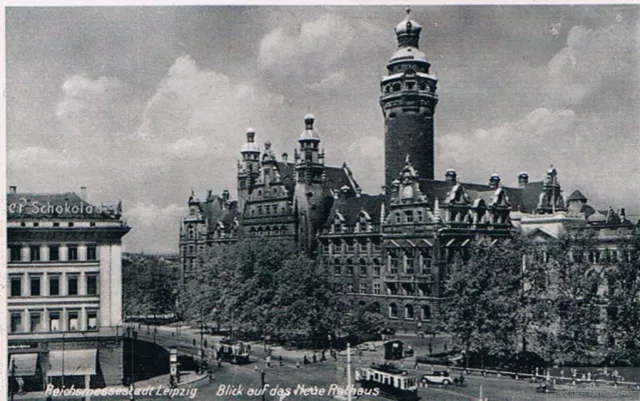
pixel 13 379
pixel 262 374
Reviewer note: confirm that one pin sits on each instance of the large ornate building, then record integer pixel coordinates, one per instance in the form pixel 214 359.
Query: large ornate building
pixel 391 249
pixel 64 290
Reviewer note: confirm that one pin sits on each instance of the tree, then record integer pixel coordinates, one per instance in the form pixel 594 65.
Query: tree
pixel 622 326
pixel 148 284
pixel 481 309
pixel 266 287
pixel 575 297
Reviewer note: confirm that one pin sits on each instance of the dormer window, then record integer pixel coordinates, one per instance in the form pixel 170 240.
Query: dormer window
pixel 409 216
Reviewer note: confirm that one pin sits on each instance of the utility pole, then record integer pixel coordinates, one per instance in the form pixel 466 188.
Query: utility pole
pixel 62 380
pixel 201 338
pixel 262 374
pixel 348 372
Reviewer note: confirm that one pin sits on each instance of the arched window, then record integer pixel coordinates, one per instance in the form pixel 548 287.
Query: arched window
pixel 396 87
pixel 393 311
pixel 426 312
pixel 375 307
pixel 408 312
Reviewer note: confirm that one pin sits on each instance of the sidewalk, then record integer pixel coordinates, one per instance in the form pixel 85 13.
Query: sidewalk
pixel 186 380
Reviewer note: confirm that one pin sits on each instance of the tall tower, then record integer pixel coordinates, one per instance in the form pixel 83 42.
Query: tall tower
pixel 249 168
pixel 408 100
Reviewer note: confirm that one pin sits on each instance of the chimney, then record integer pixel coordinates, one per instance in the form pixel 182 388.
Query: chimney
pixel 523 179
pixel 285 157
pixel 83 193
pixel 450 176
pixel 494 181
pixel 13 189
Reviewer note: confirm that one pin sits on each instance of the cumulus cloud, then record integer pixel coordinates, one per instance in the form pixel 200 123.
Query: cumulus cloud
pixel 312 49
pixel 593 59
pixel 94 106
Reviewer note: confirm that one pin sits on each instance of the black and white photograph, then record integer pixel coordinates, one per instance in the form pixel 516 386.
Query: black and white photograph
pixel 322 202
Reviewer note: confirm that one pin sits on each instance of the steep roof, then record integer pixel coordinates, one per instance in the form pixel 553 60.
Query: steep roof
pixel 577 196
pixel 337 177
pixel 350 208
pixel 521 199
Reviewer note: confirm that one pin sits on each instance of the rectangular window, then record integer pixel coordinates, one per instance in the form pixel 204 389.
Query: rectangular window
pixel 15 252
pixel 350 248
pixel 259 210
pixel 409 216
pixel 73 252
pixel 72 282
pixel 35 253
pixel 419 216
pixel 54 321
pixel 35 285
pixel 73 321
pixel 70 224
pixel 54 253
pixel 54 285
pixel 362 247
pixel 92 320
pixel 376 270
pixel 337 270
pixel 16 322
pixel 363 288
pixel 376 288
pixel 92 285
pixel 35 322
pixel 363 270
pixel 397 215
pixel 350 270
pixel 16 286
pixel 92 252
pixel 56 224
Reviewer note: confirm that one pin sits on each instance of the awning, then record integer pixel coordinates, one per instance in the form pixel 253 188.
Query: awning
pixel 77 362
pixel 25 364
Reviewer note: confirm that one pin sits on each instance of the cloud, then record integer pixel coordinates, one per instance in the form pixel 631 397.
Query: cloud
pixel 365 158
pixel 155 229
pixel 332 81
pixel 592 60
pixel 312 49
pixel 94 106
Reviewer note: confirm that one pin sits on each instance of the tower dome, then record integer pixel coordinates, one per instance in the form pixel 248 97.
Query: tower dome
pixel 309 134
pixel 408 35
pixel 250 146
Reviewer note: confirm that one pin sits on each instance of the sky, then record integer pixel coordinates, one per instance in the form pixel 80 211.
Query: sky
pixel 145 104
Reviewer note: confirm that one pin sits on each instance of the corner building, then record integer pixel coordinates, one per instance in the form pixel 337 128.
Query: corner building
pixel 64 290
pixel 392 250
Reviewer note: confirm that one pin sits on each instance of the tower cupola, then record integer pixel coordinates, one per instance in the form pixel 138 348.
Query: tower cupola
pixel 408 31
pixel 250 146
pixel 309 134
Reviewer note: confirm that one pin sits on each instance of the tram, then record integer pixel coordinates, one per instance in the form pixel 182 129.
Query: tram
pixel 234 351
pixel 394 383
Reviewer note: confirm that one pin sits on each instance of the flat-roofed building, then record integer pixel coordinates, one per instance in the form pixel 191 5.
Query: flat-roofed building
pixel 64 290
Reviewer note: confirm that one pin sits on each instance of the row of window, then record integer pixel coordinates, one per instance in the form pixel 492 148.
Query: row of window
pixel 408 216
pixel 54 224
pixel 35 253
pixel 363 288
pixel 53 285
pixel 408 85
pixel 351 247
pixel 39 321
pixel 337 270
pixel 409 312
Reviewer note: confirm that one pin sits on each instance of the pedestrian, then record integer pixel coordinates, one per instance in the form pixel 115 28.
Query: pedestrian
pixel 280 360
pixel 297 364
pixel 415 366
pixel 248 348
pixel 306 360
pixel 314 358
pixel 445 347
pixel 268 361
pixel 430 349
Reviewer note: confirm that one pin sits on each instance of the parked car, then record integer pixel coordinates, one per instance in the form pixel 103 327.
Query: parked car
pixel 437 377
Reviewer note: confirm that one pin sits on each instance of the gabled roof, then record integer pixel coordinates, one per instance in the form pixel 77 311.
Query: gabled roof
pixel 337 177
pixel 350 208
